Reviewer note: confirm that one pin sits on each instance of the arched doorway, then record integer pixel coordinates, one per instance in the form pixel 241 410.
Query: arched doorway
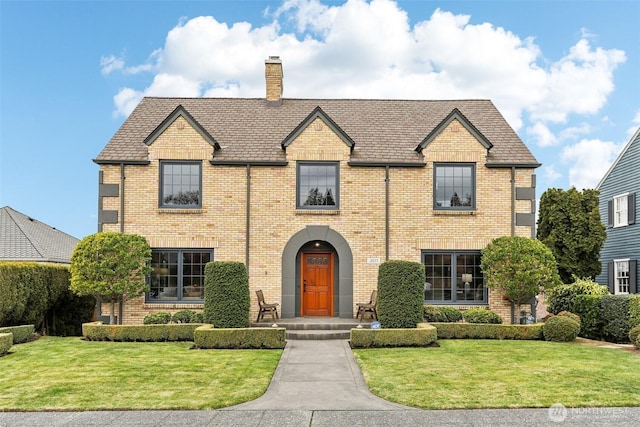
pixel 319 242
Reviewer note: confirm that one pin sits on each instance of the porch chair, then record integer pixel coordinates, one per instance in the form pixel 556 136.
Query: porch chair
pixel 266 308
pixel 369 307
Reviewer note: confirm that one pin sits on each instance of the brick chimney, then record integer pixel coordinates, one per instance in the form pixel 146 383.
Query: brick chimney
pixel 273 75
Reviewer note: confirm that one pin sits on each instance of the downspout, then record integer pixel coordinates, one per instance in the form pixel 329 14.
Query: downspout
pixel 248 218
pixel 513 200
pixel 121 308
pixel 513 223
pixel 386 218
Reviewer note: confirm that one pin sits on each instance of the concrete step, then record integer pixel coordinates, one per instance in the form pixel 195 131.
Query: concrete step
pixel 310 328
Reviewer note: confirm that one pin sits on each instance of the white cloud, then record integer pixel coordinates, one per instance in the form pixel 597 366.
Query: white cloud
pixel 550 174
pixel 126 100
pixel 369 49
pixel 590 159
pixel 110 63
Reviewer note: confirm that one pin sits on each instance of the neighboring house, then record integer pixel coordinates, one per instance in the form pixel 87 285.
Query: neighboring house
pixel 618 206
pixel 23 238
pixel 313 194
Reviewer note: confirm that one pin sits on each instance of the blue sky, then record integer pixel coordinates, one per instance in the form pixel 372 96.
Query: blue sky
pixel 566 75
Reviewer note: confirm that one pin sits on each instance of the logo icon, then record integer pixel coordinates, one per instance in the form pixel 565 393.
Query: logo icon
pixel 557 413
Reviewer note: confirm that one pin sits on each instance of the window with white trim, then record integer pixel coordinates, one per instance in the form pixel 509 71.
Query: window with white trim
pixel 622 278
pixel 620 206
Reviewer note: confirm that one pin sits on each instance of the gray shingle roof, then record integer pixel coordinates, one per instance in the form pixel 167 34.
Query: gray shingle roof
pixel 250 130
pixel 23 238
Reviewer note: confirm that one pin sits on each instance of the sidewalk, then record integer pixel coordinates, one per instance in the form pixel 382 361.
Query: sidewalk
pixel 319 384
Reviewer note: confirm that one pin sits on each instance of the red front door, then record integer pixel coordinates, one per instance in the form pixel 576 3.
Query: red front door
pixel 317 284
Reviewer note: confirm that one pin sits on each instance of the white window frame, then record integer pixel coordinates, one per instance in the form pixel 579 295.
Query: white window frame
pixel 620 210
pixel 621 277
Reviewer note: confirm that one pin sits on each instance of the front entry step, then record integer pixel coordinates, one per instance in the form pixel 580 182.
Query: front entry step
pixel 316 328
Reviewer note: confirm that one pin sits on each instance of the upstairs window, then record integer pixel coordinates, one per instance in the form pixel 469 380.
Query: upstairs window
pixel 622 210
pixel 180 184
pixel 454 186
pixel 318 186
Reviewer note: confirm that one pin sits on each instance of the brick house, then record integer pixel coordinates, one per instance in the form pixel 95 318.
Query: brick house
pixel 312 194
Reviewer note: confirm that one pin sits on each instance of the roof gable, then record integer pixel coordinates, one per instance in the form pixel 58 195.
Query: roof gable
pixel 318 113
pixel 455 115
pixel 180 111
pixel 27 239
pixel 635 139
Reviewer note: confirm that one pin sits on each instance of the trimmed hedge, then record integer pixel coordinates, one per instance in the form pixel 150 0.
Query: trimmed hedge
pixel 615 315
pixel 422 336
pixel 207 337
pixel 6 341
pixel 561 298
pixel 400 294
pixel 29 290
pixel 480 315
pixel 21 334
pixel 488 331
pixel 634 333
pixel 634 310
pixel 560 329
pixel 183 316
pixel 431 313
pixel 96 331
pixel 226 294
pixel 588 308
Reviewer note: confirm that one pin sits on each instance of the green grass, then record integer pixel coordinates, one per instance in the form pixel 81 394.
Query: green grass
pixel 56 373
pixel 502 374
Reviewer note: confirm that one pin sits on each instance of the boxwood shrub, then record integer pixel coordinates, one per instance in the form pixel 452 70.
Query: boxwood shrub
pixel 158 318
pixel 433 314
pixel 96 331
pixel 21 334
pixel 400 294
pixel 6 341
pixel 560 329
pixel 226 294
pixel 561 298
pixel 634 310
pixel 481 315
pixel 183 316
pixel 243 338
pixel 452 314
pixel 422 336
pixel 488 331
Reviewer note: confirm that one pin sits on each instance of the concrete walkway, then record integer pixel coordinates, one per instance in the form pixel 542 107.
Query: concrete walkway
pixel 318 384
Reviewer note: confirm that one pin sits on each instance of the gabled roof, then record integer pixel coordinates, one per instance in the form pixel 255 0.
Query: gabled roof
pixel 317 113
pixel 23 238
pixel 634 139
pixel 181 112
pixel 455 115
pixel 382 131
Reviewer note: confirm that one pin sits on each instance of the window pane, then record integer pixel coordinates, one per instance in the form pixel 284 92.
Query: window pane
pixel 180 184
pixel 453 187
pixel 317 185
pixel 177 275
pixel 453 277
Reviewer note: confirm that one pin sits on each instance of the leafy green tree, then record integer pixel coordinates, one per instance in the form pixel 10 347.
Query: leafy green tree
pixel 518 267
pixel 569 224
pixel 111 266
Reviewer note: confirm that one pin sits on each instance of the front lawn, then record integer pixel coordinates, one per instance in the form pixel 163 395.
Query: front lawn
pixel 56 373
pixel 502 374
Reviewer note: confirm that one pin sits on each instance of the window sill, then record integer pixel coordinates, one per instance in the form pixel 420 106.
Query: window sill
pixel 317 212
pixel 179 211
pixel 455 213
pixel 175 304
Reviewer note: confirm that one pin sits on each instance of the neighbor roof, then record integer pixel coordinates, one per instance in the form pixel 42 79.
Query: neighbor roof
pixel 253 131
pixel 23 238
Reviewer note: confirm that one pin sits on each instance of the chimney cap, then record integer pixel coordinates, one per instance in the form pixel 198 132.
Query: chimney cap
pixel 274 59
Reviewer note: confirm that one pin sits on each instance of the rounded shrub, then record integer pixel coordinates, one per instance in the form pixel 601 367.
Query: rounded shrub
pixel 480 315
pixel 159 318
pixel 182 316
pixel 197 317
pixel 560 329
pixel 451 313
pixel 433 314
pixel 570 315
pixel 634 333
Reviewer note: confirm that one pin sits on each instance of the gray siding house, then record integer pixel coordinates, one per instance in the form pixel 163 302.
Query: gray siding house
pixel 619 203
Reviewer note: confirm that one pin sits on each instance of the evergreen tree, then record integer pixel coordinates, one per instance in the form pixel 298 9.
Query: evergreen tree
pixel 569 224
